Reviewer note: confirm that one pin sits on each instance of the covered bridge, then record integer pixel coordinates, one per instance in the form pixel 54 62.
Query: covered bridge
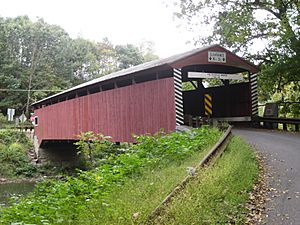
pixel 148 97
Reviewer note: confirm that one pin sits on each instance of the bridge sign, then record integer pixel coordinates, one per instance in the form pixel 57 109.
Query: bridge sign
pixel 219 57
pixel 22 118
pixel 10 114
pixel 222 76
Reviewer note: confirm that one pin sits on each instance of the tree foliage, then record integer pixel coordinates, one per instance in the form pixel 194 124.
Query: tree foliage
pixel 266 31
pixel 40 56
pixel 63 201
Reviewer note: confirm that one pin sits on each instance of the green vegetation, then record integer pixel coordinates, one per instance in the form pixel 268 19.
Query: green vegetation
pixel 288 100
pixel 38 59
pixel 129 181
pixel 14 160
pixel 94 147
pixel 141 172
pixel 218 194
pixel 142 192
pixel 4 124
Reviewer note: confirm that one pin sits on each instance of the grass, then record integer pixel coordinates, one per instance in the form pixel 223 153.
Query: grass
pixel 218 194
pixel 148 173
pixel 132 182
pixel 140 195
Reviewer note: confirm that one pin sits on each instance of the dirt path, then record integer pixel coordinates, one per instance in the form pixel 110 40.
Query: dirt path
pixel 281 151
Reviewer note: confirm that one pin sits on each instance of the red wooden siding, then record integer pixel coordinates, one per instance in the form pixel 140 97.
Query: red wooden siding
pixel 139 109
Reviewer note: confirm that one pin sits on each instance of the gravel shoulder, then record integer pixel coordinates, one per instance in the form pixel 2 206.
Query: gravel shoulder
pixel 281 152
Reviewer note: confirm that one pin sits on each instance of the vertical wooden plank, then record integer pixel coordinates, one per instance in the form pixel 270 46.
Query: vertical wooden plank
pixel 139 108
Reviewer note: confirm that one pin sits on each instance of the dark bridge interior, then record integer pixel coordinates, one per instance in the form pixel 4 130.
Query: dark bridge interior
pixel 228 100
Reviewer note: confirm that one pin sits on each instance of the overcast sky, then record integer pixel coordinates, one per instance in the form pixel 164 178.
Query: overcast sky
pixel 122 21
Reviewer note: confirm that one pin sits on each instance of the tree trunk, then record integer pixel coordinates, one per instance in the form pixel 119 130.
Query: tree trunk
pixel 34 62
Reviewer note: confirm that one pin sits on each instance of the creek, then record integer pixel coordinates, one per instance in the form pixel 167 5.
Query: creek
pixel 9 189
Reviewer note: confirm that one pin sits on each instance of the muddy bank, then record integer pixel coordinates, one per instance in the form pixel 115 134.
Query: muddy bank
pixel 29 180
pixel 18 180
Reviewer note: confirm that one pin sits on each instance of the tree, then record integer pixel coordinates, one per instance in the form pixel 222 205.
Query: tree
pixel 32 58
pixel 128 56
pixel 39 56
pixel 244 26
pixel 84 57
pixel 147 50
pixel 107 57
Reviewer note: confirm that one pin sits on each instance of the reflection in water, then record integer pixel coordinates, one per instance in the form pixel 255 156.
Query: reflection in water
pixel 7 190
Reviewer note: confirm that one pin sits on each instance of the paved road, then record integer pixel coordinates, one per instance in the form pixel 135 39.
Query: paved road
pixel 281 151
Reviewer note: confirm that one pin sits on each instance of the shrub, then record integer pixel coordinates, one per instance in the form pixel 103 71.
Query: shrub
pixel 27 170
pixel 13 154
pixel 95 147
pixel 4 123
pixel 92 146
pixel 8 137
pixel 59 202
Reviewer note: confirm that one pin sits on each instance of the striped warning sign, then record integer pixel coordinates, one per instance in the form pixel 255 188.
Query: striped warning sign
pixel 208 105
pixel 178 96
pixel 254 98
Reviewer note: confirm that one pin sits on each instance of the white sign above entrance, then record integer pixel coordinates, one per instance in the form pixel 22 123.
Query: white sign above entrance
pixel 219 57
pixel 222 76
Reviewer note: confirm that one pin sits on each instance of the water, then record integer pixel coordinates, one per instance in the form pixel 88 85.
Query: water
pixel 6 190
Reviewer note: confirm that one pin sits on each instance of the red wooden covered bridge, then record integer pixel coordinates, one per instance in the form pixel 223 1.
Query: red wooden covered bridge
pixel 148 97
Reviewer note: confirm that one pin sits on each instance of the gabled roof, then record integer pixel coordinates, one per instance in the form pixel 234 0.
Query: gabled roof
pixel 147 66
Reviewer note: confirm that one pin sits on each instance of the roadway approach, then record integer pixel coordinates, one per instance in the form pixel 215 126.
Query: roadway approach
pixel 281 153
